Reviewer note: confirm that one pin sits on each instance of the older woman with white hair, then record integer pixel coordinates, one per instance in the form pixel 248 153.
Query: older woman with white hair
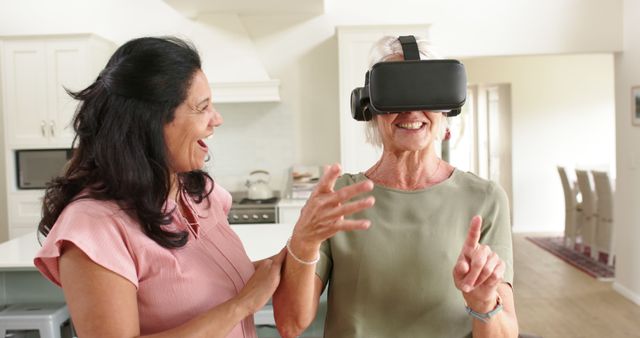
pixel 435 259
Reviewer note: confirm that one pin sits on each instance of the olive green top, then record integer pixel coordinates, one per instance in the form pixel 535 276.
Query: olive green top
pixel 395 278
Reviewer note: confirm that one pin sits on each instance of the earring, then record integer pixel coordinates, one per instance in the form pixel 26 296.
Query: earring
pixel 447 134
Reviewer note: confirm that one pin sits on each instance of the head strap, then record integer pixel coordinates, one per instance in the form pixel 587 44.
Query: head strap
pixel 409 47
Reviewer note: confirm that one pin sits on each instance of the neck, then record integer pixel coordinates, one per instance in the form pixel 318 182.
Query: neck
pixel 409 170
pixel 173 188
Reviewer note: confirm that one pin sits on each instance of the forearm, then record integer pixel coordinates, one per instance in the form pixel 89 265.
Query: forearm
pixel 503 325
pixel 295 301
pixel 217 322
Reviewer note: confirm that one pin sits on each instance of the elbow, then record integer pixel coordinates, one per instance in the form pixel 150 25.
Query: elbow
pixel 290 329
pixel 290 323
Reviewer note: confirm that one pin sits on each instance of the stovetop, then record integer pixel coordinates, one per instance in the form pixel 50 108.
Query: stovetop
pixel 240 200
pixel 249 211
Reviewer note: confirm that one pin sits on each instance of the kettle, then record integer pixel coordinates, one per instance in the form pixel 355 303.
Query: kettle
pixel 258 184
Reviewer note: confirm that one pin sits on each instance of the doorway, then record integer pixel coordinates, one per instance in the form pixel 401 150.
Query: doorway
pixel 480 139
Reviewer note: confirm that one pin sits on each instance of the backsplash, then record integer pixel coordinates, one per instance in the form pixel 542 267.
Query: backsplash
pixel 253 136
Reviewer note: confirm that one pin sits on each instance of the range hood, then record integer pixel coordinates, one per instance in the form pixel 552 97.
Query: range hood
pixel 194 8
pixel 231 62
pixel 229 57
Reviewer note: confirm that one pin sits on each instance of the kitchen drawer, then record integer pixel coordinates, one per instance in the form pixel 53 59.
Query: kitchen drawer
pixel 289 214
pixel 21 230
pixel 25 207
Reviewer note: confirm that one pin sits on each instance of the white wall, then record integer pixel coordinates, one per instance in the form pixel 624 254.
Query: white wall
pixel 4 229
pixel 627 210
pixel 563 112
pixel 254 136
pixel 497 27
pixel 301 51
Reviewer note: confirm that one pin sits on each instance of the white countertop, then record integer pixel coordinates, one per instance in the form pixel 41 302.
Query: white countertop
pixel 260 241
pixel 287 202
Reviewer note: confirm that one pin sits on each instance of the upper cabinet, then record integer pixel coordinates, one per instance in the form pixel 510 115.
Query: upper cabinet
pixel 36 72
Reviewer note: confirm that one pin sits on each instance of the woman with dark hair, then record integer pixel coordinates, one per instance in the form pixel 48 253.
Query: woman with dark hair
pixel 136 233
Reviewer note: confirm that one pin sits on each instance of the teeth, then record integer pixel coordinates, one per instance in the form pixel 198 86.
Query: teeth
pixel 412 125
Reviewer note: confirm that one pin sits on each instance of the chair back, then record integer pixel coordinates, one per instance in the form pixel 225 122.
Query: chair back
pixel 589 206
pixel 569 197
pixel 604 232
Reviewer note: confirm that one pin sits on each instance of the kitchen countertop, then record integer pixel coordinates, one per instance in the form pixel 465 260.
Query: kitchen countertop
pixel 260 241
pixel 286 202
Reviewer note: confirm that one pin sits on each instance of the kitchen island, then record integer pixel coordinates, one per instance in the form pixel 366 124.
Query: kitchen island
pixel 20 282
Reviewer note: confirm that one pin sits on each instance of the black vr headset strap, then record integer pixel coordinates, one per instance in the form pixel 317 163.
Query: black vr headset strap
pixel 409 47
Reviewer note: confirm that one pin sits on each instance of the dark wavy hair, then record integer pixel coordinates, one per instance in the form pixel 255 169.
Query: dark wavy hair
pixel 121 153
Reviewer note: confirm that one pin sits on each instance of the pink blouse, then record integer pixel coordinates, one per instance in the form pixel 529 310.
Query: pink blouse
pixel 174 285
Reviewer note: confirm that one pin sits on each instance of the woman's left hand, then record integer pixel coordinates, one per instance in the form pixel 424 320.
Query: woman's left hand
pixel 478 271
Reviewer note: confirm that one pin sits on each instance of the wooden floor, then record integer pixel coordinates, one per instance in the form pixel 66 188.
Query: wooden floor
pixel 556 300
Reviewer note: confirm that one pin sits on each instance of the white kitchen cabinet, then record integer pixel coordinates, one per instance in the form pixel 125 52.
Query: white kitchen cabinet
pixel 37 111
pixel 354 44
pixel 35 72
pixel 24 208
pixel 289 210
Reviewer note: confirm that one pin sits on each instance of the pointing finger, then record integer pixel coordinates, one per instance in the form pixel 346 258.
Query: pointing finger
pixel 473 236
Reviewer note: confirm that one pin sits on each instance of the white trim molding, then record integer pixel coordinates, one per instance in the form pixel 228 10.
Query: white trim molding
pixel 253 91
pixel 632 296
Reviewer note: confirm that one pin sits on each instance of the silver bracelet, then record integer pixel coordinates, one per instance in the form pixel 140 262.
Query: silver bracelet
pixel 484 317
pixel 312 262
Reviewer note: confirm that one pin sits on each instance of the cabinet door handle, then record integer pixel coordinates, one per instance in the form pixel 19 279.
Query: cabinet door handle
pixel 43 128
pixel 52 128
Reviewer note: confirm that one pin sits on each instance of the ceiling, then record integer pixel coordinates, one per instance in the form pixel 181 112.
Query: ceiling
pixel 193 8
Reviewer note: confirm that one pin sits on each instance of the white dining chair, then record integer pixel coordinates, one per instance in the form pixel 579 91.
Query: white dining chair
pixel 605 226
pixel 589 212
pixel 572 209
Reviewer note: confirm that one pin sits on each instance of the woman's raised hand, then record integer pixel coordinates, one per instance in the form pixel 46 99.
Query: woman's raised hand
pixel 323 214
pixel 478 271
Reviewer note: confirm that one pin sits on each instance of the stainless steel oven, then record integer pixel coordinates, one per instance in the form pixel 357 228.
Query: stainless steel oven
pixel 249 211
pixel 36 167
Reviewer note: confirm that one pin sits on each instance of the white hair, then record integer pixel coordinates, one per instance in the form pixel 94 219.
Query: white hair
pixel 384 49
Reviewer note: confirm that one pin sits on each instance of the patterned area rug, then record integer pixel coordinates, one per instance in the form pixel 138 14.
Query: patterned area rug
pixel 582 261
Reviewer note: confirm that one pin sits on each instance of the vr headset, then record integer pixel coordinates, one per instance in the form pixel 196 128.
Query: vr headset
pixel 410 85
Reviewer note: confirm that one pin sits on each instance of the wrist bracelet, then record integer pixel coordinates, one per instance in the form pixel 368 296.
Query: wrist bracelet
pixel 312 262
pixel 484 317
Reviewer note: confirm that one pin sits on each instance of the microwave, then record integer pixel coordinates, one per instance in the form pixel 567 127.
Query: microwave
pixel 36 167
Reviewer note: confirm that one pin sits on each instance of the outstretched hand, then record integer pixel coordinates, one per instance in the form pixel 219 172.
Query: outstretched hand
pixel 323 214
pixel 478 270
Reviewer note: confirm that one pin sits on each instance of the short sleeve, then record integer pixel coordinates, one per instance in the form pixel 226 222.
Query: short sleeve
pixel 325 264
pixel 94 228
pixel 496 232
pixel 223 196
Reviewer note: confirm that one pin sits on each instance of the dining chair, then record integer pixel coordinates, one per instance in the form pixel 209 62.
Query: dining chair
pixel 605 225
pixel 589 212
pixel 572 209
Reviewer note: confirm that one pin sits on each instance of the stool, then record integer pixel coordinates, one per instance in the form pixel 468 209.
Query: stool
pixel 46 318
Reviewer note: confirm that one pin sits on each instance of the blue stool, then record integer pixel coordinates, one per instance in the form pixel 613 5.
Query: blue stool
pixel 47 319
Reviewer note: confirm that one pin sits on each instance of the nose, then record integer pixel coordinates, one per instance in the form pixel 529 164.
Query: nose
pixel 216 119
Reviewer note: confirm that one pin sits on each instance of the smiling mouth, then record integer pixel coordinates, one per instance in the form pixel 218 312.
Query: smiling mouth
pixel 410 125
pixel 202 144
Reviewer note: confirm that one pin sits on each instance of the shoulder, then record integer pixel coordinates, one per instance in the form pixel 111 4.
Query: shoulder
pixel 221 195
pixel 476 184
pixel 92 208
pixel 349 179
